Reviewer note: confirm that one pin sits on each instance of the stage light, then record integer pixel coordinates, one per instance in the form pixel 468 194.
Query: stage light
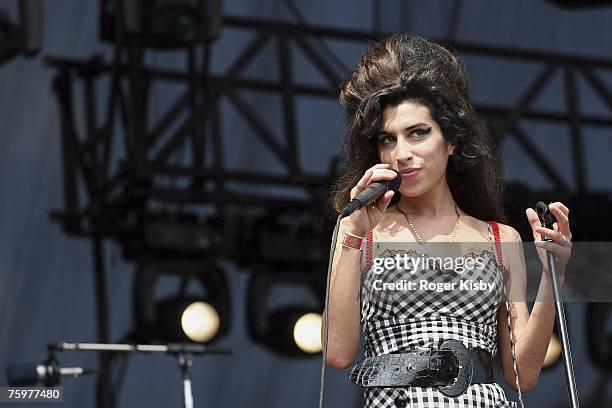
pixel 555 349
pixel 23 37
pixel 161 23
pixel 553 353
pixel 307 332
pixel 187 319
pixel 200 321
pixel 293 331
pixel 187 315
pixel 289 330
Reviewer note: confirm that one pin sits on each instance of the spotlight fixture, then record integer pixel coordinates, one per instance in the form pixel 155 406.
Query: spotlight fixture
pixel 183 316
pixel 200 321
pixel 187 319
pixel 306 332
pixel 289 242
pixel 162 23
pixel 289 330
pixel 295 330
pixel 553 353
pixel 24 37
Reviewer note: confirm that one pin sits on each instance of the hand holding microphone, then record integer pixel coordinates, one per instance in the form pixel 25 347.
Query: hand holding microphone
pixel 551 232
pixel 371 197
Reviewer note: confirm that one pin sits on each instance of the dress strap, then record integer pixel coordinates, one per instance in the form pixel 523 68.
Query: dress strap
pixel 494 238
pixel 495 226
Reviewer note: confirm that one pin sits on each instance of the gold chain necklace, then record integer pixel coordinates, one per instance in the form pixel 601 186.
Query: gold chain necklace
pixel 416 234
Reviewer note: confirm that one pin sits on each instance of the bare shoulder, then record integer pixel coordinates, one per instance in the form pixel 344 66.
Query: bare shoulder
pixel 474 227
pixel 508 233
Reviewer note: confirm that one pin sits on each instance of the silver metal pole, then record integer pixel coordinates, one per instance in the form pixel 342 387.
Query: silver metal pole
pixel 567 356
pixel 184 360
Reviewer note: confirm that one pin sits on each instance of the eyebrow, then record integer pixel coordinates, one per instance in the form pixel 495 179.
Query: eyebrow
pixel 408 128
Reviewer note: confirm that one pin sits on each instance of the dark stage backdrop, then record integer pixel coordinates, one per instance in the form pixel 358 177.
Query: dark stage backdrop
pixel 46 288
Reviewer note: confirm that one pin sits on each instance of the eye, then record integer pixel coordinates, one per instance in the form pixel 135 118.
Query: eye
pixel 385 139
pixel 421 132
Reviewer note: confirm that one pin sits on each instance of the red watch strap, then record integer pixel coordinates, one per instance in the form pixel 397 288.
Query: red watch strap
pixel 369 251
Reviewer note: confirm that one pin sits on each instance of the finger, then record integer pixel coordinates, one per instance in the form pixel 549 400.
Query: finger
pixel 381 166
pixel 375 169
pixel 384 201
pixel 562 220
pixel 362 183
pixel 534 221
pixel 561 206
pixel 554 235
pixel 382 174
pixel 373 174
pixel 532 216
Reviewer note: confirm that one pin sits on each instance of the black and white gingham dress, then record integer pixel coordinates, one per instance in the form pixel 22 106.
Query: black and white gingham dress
pixel 393 321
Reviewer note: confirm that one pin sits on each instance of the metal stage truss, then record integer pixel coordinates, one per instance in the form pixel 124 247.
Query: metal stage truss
pixel 109 197
pixel 93 193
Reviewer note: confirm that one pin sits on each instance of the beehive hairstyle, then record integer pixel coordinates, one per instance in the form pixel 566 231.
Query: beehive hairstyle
pixel 407 67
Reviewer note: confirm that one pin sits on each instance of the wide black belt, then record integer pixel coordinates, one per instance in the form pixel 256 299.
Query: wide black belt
pixel 451 368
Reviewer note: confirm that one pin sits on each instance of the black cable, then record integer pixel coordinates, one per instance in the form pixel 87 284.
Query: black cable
pixel 332 249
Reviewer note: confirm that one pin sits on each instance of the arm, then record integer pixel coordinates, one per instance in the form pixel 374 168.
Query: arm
pixel 531 332
pixel 345 278
pixel 344 307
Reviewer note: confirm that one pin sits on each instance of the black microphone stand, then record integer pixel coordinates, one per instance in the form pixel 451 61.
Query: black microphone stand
pixel 183 351
pixel 547 219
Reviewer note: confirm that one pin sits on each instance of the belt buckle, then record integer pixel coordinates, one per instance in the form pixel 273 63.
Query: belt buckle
pixel 464 376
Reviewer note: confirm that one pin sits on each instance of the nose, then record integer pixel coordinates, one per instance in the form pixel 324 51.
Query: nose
pixel 403 151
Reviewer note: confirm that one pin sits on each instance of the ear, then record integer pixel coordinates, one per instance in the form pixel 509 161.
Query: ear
pixel 450 149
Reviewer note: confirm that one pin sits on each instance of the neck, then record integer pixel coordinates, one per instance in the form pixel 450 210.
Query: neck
pixel 436 202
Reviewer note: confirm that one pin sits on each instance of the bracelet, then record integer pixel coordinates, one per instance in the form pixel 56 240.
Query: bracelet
pixel 352 241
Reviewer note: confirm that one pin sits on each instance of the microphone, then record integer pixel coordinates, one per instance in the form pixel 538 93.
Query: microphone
pixel 372 193
pixel 547 219
pixel 47 373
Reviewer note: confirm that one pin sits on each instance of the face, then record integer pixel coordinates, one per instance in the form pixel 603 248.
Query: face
pixel 410 138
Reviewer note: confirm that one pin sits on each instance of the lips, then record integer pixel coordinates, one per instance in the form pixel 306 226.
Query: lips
pixel 408 172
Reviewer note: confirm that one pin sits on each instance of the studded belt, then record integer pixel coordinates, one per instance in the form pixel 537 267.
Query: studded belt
pixel 451 368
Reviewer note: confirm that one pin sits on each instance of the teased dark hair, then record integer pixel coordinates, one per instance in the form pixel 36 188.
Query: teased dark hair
pixel 406 67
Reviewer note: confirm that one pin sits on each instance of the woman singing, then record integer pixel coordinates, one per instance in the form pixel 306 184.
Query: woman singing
pixel 407 109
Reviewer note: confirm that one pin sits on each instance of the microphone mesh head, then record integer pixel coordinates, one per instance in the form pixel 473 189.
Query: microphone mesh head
pixel 22 374
pixel 544 214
